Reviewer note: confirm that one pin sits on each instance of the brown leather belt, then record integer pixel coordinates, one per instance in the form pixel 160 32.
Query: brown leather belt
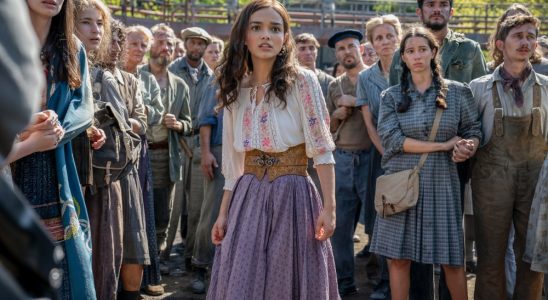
pixel 293 161
pixel 159 145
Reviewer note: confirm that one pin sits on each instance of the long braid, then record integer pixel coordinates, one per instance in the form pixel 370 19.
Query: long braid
pixel 440 84
pixel 403 106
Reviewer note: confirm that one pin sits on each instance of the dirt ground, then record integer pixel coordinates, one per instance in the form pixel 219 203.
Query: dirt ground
pixel 177 283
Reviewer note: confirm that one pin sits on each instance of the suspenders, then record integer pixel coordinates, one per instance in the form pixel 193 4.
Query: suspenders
pixel 535 111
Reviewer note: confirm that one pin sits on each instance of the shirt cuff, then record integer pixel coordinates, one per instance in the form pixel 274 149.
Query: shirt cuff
pixel 361 102
pixel 229 184
pixel 324 159
pixel 211 120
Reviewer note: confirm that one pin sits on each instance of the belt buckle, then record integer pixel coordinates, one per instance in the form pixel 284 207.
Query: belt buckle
pixel 265 160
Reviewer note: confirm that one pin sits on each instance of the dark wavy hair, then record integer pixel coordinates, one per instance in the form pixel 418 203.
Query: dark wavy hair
pixel 437 79
pixel 513 10
pixel 118 29
pixel 236 61
pixel 60 51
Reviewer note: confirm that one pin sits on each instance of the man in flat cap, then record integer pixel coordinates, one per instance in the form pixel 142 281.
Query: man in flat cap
pixel 199 78
pixel 351 155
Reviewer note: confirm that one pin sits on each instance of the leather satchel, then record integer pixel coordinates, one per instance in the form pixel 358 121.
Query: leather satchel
pixel 399 191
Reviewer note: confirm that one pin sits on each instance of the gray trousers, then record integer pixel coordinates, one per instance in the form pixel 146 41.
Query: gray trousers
pixel 213 194
pixel 188 199
pixel 163 205
pixel 194 202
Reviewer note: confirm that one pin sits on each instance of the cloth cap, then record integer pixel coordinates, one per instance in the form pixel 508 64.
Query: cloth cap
pixel 343 35
pixel 196 32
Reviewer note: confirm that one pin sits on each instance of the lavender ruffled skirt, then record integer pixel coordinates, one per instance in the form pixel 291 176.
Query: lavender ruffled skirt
pixel 269 250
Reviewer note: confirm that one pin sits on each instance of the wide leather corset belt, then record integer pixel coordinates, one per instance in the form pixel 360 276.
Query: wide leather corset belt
pixel 293 161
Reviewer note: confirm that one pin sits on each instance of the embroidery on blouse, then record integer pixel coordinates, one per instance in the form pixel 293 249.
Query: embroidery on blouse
pixel 321 142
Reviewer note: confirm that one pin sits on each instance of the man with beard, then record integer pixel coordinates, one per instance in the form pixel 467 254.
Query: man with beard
pixel 166 156
pixel 513 106
pixel 351 155
pixel 461 60
pixel 199 78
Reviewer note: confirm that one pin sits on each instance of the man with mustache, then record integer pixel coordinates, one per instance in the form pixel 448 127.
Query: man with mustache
pixel 199 78
pixel 166 156
pixel 513 105
pixel 351 155
pixel 461 60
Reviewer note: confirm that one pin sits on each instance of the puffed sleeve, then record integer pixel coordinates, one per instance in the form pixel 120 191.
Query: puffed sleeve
pixel 389 129
pixel 315 117
pixel 469 126
pixel 361 95
pixel 233 161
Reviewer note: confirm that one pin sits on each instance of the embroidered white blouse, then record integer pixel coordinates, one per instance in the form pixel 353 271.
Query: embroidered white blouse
pixel 271 127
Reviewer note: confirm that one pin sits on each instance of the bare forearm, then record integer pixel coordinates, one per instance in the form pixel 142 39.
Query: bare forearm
pixel 205 137
pixel 371 128
pixel 225 203
pixel 416 146
pixel 19 150
pixel 326 173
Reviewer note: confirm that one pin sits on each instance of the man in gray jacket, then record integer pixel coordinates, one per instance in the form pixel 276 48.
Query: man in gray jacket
pixel 166 152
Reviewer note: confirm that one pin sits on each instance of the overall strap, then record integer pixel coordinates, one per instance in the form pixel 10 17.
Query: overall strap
pixel 498 126
pixel 432 135
pixel 536 111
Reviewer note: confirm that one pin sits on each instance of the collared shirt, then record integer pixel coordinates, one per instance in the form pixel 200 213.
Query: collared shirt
pixel 198 91
pixel 208 116
pixel 353 133
pixel 482 88
pixel 461 60
pixel 459 119
pixel 324 79
pixel 371 83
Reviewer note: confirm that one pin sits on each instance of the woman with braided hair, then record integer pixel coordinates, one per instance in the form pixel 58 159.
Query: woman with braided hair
pixel 430 232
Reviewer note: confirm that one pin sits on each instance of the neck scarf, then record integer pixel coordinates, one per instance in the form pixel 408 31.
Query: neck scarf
pixel 514 84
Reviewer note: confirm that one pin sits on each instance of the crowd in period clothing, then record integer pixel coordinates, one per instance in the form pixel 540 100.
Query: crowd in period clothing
pixel 265 164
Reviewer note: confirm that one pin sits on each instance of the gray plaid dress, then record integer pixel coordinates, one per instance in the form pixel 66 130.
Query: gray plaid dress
pixel 430 232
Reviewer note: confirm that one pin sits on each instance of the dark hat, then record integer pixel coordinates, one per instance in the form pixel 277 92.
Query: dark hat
pixel 344 34
pixel 196 32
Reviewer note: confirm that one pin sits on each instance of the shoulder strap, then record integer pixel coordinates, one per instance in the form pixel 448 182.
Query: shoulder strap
pixel 432 136
pixel 536 95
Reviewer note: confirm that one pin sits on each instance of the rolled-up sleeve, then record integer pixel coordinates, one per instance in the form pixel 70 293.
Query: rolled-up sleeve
pixel 389 129
pixel 361 95
pixel 207 116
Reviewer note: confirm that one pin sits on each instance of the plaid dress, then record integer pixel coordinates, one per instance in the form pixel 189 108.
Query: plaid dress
pixel 431 232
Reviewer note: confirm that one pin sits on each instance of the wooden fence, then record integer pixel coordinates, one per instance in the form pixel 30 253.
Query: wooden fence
pixel 477 18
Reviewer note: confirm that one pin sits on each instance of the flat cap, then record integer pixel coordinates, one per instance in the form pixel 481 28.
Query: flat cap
pixel 344 34
pixel 195 32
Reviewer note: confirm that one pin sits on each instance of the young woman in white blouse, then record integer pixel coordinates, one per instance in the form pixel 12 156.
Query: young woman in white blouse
pixel 272 230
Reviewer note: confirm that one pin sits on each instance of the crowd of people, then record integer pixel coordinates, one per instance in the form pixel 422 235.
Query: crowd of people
pixel 265 163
